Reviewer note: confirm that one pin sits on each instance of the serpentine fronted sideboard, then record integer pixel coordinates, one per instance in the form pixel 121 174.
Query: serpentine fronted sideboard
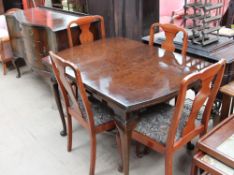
pixel 34 32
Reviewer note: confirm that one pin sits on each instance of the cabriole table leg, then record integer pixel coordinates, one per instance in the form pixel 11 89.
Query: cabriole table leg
pixel 59 105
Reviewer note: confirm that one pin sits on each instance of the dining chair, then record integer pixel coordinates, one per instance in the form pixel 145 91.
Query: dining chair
pixel 165 129
pixel 90 113
pixel 171 31
pixel 84 24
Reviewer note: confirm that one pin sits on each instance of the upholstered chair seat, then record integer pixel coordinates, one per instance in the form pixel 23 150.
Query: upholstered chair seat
pixel 155 122
pixel 102 114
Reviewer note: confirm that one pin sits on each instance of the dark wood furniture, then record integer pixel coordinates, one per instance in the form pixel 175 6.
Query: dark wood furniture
pixel 227 100
pixel 40 30
pixel 126 18
pixel 209 145
pixel 175 127
pixel 170 31
pixel 113 71
pixel 93 116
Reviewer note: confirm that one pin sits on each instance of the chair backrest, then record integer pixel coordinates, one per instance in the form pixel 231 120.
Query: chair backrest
pixel 84 24
pixel 72 89
pixel 209 80
pixel 171 31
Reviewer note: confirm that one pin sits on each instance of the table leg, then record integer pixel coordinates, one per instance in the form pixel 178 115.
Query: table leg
pixel 60 108
pixel 226 101
pixel 125 138
pixel 125 130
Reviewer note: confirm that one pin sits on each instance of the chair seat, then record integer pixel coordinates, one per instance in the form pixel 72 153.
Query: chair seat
pixel 156 121
pixel 101 113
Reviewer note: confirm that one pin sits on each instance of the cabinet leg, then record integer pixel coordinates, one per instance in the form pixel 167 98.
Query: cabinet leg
pixel 14 62
pixel 60 108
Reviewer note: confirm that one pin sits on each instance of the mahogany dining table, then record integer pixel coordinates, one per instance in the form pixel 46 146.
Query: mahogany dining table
pixel 130 76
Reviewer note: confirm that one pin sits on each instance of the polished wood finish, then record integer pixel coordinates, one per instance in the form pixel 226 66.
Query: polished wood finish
pixel 114 71
pixel 69 91
pixel 227 100
pixel 213 52
pixel 213 73
pixel 84 24
pixel 127 57
pixel 126 18
pixel 216 137
pixel 228 89
pixel 41 30
pixel 171 31
pixel 209 143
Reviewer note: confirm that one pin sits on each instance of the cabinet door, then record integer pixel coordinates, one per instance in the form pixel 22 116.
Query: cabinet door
pixel 36 45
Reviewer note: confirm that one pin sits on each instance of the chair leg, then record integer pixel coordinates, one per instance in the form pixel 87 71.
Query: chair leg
pixel 69 125
pixel 4 68
pixel 118 141
pixel 169 163
pixel 92 155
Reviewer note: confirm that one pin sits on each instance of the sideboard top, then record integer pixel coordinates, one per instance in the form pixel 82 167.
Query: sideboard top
pixel 55 20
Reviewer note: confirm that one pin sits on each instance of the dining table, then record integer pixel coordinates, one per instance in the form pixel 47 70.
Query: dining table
pixel 130 76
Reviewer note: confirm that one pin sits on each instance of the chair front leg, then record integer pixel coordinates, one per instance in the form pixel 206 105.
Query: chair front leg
pixel 92 154
pixel 69 138
pixel 4 68
pixel 169 163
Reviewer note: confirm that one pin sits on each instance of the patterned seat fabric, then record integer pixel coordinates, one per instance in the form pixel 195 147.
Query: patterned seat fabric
pixel 101 113
pixel 156 121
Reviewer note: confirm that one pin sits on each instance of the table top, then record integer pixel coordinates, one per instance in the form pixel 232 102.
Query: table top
pixel 44 17
pixel 129 73
pixel 219 142
pixel 228 89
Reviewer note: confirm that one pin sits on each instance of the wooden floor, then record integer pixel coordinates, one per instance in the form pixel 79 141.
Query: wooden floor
pixel 30 143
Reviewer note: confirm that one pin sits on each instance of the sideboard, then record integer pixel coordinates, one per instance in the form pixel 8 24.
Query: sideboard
pixel 34 32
